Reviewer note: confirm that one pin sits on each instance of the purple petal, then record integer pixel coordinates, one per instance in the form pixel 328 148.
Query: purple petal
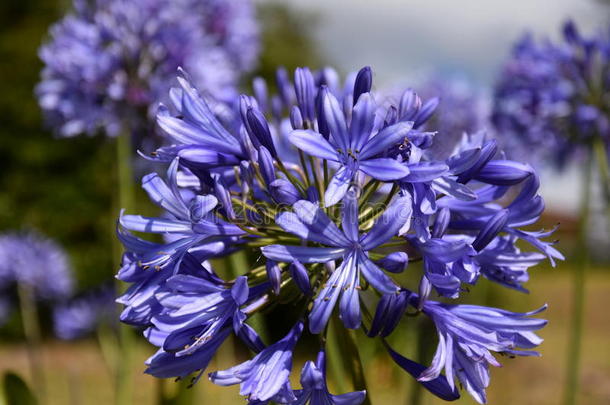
pixel 425 171
pixel 313 143
pixel 327 298
pixel 139 223
pixel 319 223
pixel 384 169
pixel 363 119
pixel 386 138
pixel 162 195
pixel 302 254
pixel 240 290
pixel 389 223
pixel 338 186
pixel 445 185
pixel 376 277
pixel 350 217
pixel 335 120
pixel 438 386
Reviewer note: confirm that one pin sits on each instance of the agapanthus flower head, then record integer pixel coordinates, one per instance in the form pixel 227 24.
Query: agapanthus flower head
pixel 37 263
pixel 551 96
pixel 108 63
pixel 330 190
pixel 83 314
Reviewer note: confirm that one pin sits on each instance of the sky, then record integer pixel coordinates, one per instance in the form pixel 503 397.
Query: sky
pixel 466 38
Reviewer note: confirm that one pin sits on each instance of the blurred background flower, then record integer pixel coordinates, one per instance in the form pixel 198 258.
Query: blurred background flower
pixel 109 63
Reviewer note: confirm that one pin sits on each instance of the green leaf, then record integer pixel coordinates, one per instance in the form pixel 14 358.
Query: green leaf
pixel 16 391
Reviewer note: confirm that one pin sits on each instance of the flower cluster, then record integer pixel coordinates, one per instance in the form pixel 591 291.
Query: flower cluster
pixel 331 192
pixel 112 61
pixel 36 263
pixel 83 314
pixel 551 98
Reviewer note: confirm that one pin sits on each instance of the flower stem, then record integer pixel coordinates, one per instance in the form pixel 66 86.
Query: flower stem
pixel 126 338
pixel 346 349
pixel 318 181
pixel 601 156
pixel 31 330
pixel 578 293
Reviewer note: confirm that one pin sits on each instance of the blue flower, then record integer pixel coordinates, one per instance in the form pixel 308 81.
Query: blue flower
pixel 467 336
pixel 352 146
pixel 83 314
pixel 315 391
pixel 192 221
pixel 37 263
pixel 311 223
pixel 111 61
pixel 546 100
pixel 196 316
pixel 266 375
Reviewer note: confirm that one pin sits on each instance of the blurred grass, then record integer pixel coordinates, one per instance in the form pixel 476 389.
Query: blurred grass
pixel 76 373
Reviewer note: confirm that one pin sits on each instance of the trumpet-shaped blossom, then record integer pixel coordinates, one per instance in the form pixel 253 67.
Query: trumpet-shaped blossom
pixel 467 336
pixel 265 377
pixel 315 390
pixel 311 223
pixel 355 148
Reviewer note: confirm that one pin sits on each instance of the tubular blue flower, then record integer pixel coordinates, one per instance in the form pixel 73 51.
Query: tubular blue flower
pixel 467 336
pixel 315 391
pixel 311 223
pixel 196 317
pixel 389 311
pixel 266 375
pixel 192 222
pixel 108 61
pixel 353 147
pixel 438 386
pixel 444 263
pixel 198 127
pixel 502 262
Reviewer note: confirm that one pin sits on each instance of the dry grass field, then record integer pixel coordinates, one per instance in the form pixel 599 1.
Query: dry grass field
pixel 76 373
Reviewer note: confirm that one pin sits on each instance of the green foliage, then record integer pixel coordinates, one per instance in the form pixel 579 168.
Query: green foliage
pixel 16 391
pixel 286 40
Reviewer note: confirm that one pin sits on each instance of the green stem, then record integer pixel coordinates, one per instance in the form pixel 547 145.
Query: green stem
pixel 31 330
pixel 346 349
pixel 125 171
pixel 601 156
pixel 578 291
pixel 126 337
pixel 304 166
pixel 369 189
pixel 298 183
pixel 321 189
pixel 425 344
